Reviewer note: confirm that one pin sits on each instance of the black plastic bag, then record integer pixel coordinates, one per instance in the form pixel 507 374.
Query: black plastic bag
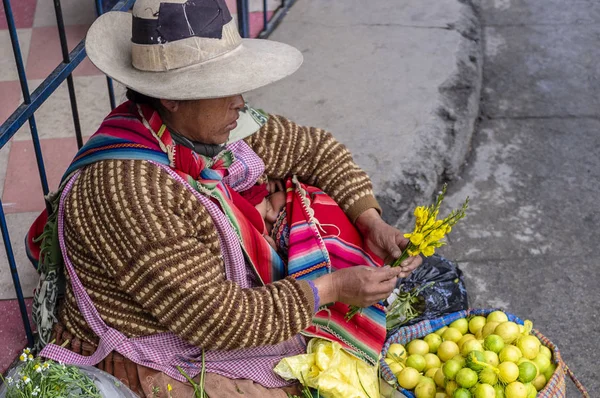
pixel 442 289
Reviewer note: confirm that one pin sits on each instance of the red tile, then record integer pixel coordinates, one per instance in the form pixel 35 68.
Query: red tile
pixel 9 99
pixel 12 332
pixel 22 187
pixel 23 13
pixel 45 53
pixel 256 22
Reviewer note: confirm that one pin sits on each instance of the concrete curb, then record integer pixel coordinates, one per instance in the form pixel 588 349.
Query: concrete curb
pixel 397 82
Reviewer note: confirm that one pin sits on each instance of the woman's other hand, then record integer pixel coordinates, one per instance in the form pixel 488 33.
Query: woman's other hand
pixel 385 241
pixel 361 286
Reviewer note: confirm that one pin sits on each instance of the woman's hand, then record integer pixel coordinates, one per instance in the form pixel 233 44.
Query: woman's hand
pixel 385 241
pixel 361 286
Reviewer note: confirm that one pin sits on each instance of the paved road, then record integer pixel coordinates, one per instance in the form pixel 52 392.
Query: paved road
pixel 530 242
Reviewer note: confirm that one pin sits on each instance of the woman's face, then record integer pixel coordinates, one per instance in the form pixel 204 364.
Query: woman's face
pixel 208 121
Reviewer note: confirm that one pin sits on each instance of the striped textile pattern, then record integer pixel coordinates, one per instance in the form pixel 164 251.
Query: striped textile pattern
pixel 555 387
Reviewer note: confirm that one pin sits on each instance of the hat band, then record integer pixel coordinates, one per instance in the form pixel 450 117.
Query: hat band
pixel 184 52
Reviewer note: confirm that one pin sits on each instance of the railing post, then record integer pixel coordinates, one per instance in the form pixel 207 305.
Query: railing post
pixel 243 17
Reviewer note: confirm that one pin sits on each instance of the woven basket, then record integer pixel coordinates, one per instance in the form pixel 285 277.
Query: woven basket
pixel 555 387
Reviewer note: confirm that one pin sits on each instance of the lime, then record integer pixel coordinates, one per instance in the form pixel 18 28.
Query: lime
pixel 408 378
pixel 462 393
pixel 545 351
pixel 439 378
pixel 417 346
pixel 464 339
pixel 549 372
pixel 542 362
pixel 397 352
pixel 531 391
pixel 497 316
pixel 431 372
pixel 509 331
pixel 433 341
pixel 515 390
pixel 475 360
pixel 508 372
pixel 539 382
pixel 484 391
pixel 416 361
pixel 466 378
pixel 494 343
pixel 460 359
pixel 425 388
pixel 499 388
pixel 452 334
pixel 451 386
pixel 527 372
pixel 462 325
pixel 440 331
pixel 491 358
pixel 432 361
pixel 488 329
pixel 447 350
pixel 488 376
pixel 529 346
pixel 510 353
pixel 476 324
pixel 471 345
pixel 450 369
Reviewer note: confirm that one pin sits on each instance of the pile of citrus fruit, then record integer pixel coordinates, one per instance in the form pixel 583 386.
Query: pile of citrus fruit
pixel 474 357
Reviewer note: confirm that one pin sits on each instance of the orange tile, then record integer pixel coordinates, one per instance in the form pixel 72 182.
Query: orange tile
pixel 23 13
pixel 22 187
pixel 10 98
pixel 45 53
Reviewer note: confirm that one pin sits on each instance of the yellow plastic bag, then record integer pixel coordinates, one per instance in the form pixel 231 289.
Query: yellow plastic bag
pixel 331 371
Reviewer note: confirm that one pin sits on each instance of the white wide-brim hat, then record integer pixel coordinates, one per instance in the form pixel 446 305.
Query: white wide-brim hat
pixel 205 59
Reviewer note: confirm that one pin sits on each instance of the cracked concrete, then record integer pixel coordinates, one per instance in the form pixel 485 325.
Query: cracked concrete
pixel 397 82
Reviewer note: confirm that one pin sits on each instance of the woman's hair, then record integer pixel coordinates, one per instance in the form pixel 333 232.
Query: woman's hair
pixel 143 99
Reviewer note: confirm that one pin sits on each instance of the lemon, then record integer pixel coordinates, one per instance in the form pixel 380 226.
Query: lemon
pixel 462 393
pixel 484 391
pixel 425 388
pixel 452 334
pixel 432 361
pixel 417 346
pixel 464 339
pixel 397 352
pixel 447 350
pixel 450 369
pixel 509 331
pixel 440 395
pixel 433 341
pixel 396 367
pixel 416 361
pixel 440 331
pixel 439 378
pixel 488 329
pixel 545 351
pixel 499 389
pixel 527 372
pixel 462 325
pixel 408 378
pixel 529 346
pixel 471 345
pixel 549 372
pixel 491 358
pixel 476 324
pixel 539 382
pixel 451 387
pixel 466 378
pixel 542 362
pixel 497 316
pixel 510 353
pixel 460 359
pixel 488 376
pixel 531 391
pixel 516 390
pixel 494 343
pixel 508 372
pixel 431 372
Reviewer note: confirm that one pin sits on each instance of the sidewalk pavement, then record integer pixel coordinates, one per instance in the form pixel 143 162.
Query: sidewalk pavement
pixel 398 82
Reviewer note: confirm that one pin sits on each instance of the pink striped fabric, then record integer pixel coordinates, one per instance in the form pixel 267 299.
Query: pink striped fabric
pixel 166 351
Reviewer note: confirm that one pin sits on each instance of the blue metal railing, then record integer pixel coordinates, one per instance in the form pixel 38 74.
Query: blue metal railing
pixel 70 60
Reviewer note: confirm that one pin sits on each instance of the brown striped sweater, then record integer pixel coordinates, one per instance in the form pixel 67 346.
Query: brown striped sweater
pixel 148 254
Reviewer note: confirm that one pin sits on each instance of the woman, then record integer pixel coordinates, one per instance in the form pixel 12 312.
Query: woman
pixel 163 263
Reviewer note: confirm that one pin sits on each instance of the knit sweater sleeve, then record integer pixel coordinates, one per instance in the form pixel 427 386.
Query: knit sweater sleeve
pixel 318 159
pixel 159 246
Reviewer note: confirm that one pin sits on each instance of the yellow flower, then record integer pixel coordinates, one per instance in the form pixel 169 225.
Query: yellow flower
pixel 30 357
pixel 416 238
pixel 23 358
pixel 169 388
pixel 421 216
pixel 428 251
